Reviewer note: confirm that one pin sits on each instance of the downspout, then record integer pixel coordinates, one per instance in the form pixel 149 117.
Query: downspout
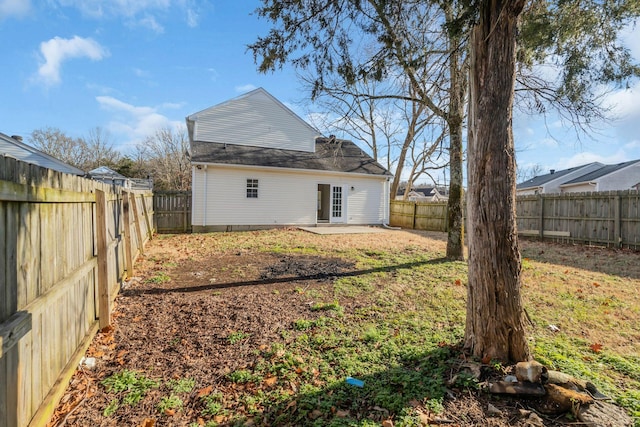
pixel 204 202
pixel 387 199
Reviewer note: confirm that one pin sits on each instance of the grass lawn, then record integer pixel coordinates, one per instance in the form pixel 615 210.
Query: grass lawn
pixel 265 328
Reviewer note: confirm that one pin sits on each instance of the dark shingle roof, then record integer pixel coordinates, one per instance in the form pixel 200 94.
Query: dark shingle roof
pixel 537 181
pixel 338 156
pixel 605 170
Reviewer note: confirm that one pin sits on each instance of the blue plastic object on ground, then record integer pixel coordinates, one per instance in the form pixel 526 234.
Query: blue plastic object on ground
pixel 355 382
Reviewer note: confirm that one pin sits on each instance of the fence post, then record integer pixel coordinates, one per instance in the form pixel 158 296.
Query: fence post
pixel 617 234
pixel 184 213
pixel 104 305
pixel 415 214
pixel 147 220
pixel 128 258
pixel 541 217
pixel 136 220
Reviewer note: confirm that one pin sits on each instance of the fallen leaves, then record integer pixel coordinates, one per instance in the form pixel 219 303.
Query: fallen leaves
pixel 596 347
pixel 205 391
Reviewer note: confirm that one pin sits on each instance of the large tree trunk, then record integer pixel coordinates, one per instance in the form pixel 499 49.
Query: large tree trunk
pixel 494 326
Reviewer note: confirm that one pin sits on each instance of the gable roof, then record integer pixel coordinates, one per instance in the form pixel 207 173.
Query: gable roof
pixel 256 118
pixel 106 172
pixel 599 173
pixel 12 147
pixel 540 180
pixel 331 154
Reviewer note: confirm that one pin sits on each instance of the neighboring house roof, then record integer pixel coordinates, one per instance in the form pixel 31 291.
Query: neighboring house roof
pixel 540 180
pixel 13 147
pixel 104 171
pixel 331 154
pixel 599 173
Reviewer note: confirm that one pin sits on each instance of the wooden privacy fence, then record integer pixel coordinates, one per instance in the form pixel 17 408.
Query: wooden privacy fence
pixel 172 211
pixel 610 218
pixel 66 244
pixel 602 218
pixel 430 216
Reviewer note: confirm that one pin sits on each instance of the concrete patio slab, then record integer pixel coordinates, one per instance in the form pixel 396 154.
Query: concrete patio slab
pixel 352 229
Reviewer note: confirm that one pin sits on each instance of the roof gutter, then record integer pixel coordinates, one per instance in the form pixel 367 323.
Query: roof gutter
pixel 291 170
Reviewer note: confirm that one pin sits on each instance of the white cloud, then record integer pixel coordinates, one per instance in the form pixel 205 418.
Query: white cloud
pixel 143 13
pixel 633 145
pixel 588 157
pixel 626 112
pixel 57 50
pixel 14 8
pixel 547 142
pixel 245 88
pixel 151 23
pixel 192 18
pixel 128 8
pixel 135 123
pixel 141 73
pixel 631 36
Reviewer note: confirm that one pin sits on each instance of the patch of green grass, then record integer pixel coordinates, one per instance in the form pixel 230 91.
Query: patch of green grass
pixel 172 402
pixel 212 404
pixel 111 408
pixel 159 278
pixel 240 376
pixel 304 324
pixel 183 385
pixel 130 384
pixel 235 337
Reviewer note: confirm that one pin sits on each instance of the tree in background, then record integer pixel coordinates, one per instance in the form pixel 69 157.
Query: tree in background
pixel 162 156
pixel 59 145
pixel 165 153
pixel 401 133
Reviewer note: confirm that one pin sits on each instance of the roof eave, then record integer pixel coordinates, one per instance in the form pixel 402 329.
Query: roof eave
pixel 386 175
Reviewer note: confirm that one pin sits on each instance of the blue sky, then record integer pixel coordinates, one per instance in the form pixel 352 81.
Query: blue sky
pixel 134 66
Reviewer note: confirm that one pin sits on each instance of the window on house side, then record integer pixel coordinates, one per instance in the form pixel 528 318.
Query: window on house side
pixel 252 188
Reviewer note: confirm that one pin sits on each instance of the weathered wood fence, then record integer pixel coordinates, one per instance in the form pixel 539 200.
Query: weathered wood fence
pixel 172 211
pixel 66 243
pixel 601 218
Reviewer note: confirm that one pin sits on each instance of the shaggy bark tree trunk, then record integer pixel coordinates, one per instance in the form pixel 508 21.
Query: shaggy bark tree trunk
pixel 494 326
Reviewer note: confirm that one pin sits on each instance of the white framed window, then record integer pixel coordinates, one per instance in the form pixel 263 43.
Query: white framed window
pixel 252 188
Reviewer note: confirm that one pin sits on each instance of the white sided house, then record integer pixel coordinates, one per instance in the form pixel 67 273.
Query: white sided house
pixel 551 182
pixel 256 164
pixel 623 176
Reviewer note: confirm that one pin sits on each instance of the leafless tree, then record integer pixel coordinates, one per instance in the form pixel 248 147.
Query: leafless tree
pixel 57 144
pixel 166 156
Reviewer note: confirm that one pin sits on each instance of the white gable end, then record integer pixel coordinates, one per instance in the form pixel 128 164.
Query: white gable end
pixel 255 119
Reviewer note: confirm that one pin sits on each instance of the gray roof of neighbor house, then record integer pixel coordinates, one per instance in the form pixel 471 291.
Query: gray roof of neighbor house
pixel 106 172
pixel 425 191
pixel 537 181
pixel 13 147
pixel 335 155
pixel 605 170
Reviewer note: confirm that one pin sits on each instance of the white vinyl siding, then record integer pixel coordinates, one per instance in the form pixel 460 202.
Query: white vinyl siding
pixel 367 201
pixel 265 123
pixel 623 179
pixel 285 198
